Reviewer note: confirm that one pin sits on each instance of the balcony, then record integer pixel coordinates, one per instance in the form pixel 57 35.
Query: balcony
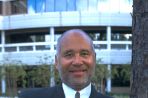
pixel 44 52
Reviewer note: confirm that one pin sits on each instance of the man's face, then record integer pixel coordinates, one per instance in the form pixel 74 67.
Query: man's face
pixel 76 61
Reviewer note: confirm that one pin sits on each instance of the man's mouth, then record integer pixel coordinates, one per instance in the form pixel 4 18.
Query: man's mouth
pixel 83 70
pixel 78 72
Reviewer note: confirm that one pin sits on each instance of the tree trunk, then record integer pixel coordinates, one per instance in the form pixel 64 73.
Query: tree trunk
pixel 139 80
pixel 103 86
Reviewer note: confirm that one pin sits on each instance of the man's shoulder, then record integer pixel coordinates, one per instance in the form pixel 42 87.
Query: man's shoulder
pixel 38 92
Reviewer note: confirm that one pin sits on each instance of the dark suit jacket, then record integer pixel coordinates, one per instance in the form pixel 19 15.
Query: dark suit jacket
pixel 53 92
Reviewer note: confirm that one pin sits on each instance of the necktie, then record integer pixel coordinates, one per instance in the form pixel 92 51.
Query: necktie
pixel 77 95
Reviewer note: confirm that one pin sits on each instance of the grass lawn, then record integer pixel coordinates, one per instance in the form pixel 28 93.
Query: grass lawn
pixel 119 95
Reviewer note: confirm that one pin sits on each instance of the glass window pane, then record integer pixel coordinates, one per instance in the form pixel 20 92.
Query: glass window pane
pixel 49 5
pixel 43 47
pixel 98 35
pixel 26 48
pixel 60 5
pixel 15 39
pixel 71 5
pixel 56 37
pixel 0 38
pixel 121 36
pixel 0 49
pixel 24 38
pixel 10 49
pixel 31 6
pixel 118 46
pixel 82 5
pixel 40 5
pixel 0 7
pixel 100 46
pixel 130 46
pixel 92 5
pixel 18 6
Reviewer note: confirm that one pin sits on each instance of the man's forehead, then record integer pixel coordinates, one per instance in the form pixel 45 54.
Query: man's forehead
pixel 74 34
pixel 70 36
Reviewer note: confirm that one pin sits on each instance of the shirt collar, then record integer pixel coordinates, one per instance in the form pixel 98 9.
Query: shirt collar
pixel 70 93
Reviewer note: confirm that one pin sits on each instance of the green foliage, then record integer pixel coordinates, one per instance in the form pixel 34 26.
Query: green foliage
pixel 126 72
pixel 19 75
pixel 40 76
pixel 57 77
pixel 101 72
pixel 123 71
pixel 114 72
pixel 100 75
pixel 15 73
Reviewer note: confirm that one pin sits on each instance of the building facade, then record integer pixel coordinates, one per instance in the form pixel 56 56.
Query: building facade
pixel 30 29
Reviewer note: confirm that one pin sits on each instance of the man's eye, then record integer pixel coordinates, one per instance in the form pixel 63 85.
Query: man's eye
pixel 84 53
pixel 68 54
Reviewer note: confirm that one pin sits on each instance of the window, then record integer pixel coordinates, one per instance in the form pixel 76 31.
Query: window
pixel 121 36
pixel 40 5
pixel 92 5
pixel 49 5
pixel 97 35
pixel 60 5
pixel 71 5
pixel 0 7
pixel 18 6
pixel 23 38
pixel 82 5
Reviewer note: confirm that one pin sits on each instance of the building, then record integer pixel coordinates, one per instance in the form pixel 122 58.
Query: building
pixel 30 28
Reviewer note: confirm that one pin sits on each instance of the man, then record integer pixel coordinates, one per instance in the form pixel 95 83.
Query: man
pixel 75 61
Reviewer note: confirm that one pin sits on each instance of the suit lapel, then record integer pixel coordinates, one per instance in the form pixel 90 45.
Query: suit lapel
pixel 93 93
pixel 59 92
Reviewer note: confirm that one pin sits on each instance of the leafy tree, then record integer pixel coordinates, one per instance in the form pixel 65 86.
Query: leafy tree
pixel 100 76
pixel 57 77
pixel 121 75
pixel 126 72
pixel 39 76
pixel 13 74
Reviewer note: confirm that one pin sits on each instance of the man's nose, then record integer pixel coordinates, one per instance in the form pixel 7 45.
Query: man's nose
pixel 77 60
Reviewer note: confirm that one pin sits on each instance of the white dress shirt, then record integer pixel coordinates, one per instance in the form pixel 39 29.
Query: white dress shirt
pixel 70 93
